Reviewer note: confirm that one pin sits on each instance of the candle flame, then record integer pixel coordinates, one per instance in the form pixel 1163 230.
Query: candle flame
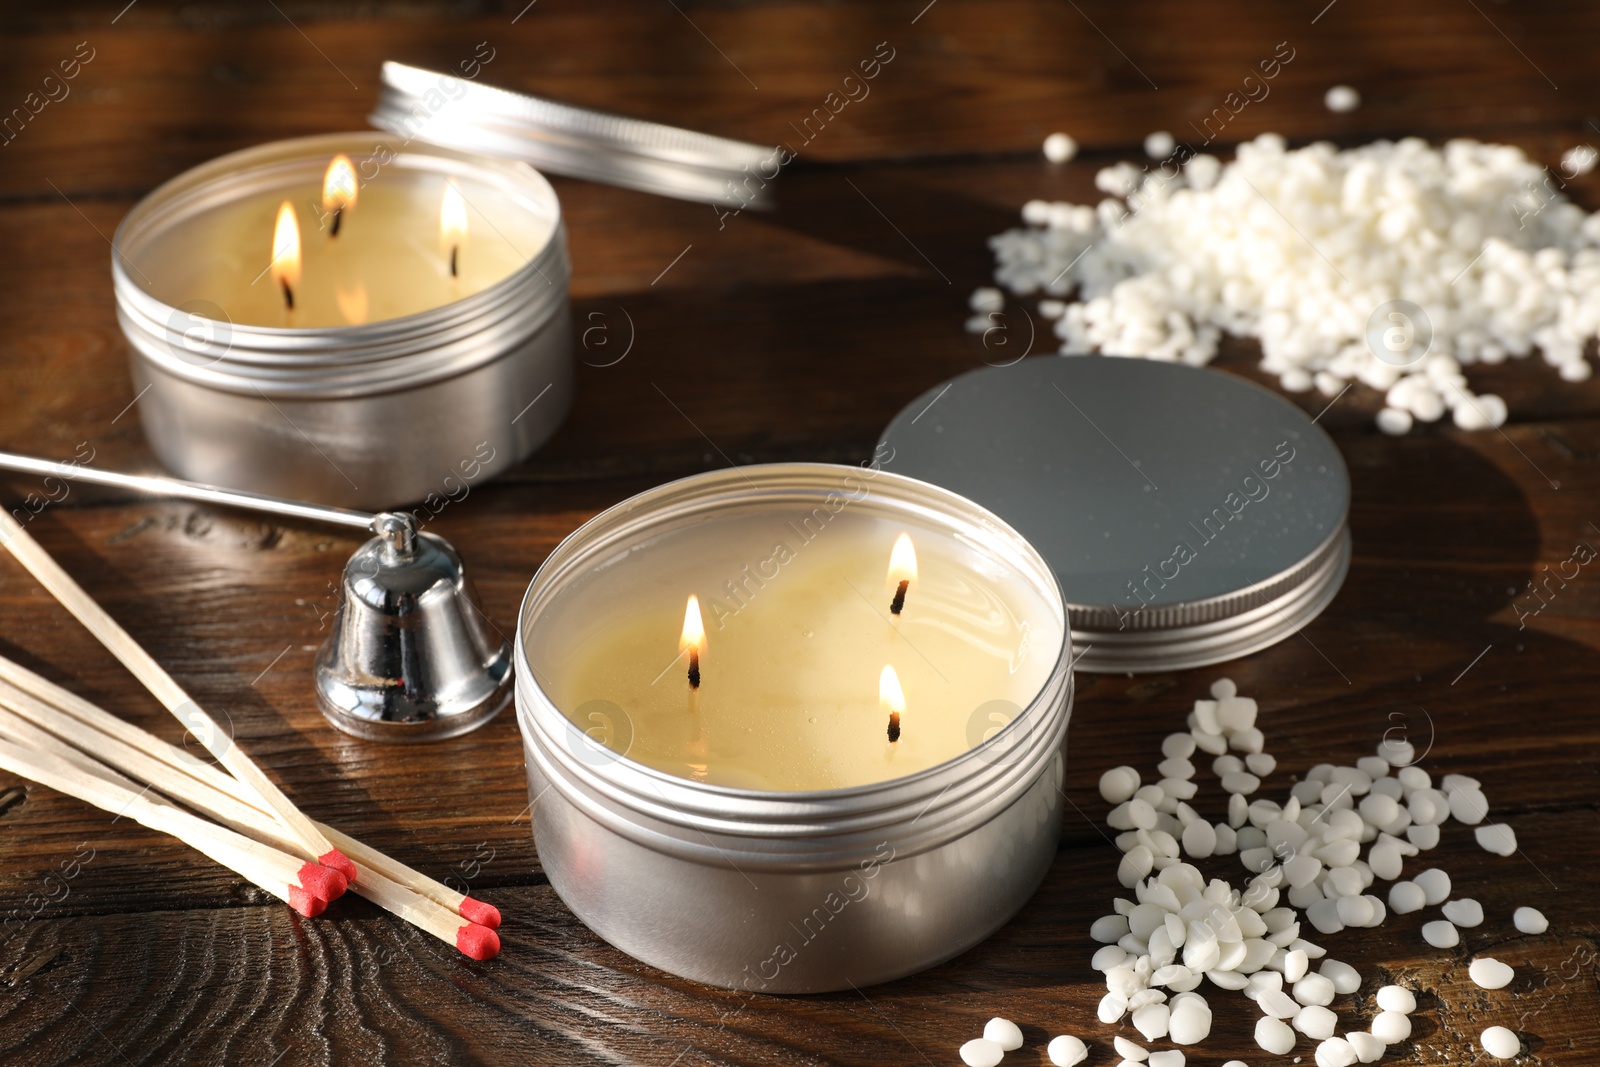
pixel 339 185
pixel 890 696
pixel 694 628
pixel 902 561
pixel 286 248
pixel 452 223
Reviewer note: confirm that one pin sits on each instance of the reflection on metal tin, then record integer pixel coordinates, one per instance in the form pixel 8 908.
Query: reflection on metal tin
pixel 574 141
pixel 1191 516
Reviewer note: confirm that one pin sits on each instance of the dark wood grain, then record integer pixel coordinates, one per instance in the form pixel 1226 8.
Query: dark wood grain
pixel 793 334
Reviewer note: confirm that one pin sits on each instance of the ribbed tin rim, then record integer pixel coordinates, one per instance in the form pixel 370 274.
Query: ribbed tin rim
pixel 790 830
pixel 578 142
pixel 1217 630
pixel 341 361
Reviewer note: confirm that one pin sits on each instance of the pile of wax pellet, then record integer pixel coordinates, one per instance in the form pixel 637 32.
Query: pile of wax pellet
pixel 1300 249
pixel 1305 863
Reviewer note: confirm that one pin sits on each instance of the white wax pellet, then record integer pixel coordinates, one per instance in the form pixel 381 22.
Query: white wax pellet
pixel 1146 996
pixel 1241 782
pixel 1406 897
pixel 1314 989
pixel 1295 964
pixel 1036 212
pixel 1191 1022
pixel 1424 836
pixel 1394 421
pixel 1435 885
pixel 1463 911
pixel 1111 1008
pixel 1385 860
pixel 1119 784
pixel 1391 1027
pixel 1354 911
pixel 1441 934
pixel 1316 1022
pixel 1579 160
pixel 1345 978
pixel 1373 766
pixel 1159 145
pixel 1260 764
pixel 1341 98
pixel 1058 148
pixel 1107 957
pixel 1235 1063
pixel 1178 746
pixel 1530 920
pixel 1066 1051
pixel 1490 973
pixel 1413 778
pixel 1177 767
pixel 1468 805
pixel 1377 809
pixel 1228 979
pixel 1236 713
pixel 981 1052
pixel 1152 1020
pixel 1130 1050
pixel 1247 740
pixel 1223 688
pixel 1003 1032
pixel 1367 1048
pixel 1500 1042
pixel 1497 838
pixel 1167 1058
pixel 1335 1052
pixel 1142 813
pixel 1226 764
pixel 986 299
pixel 1277 1004
pixel 1274 1035
pixel 1199 839
pixel 1324 915
pixel 1109 928
pixel 1397 998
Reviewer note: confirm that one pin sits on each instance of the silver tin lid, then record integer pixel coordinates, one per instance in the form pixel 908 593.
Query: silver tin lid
pixel 1191 516
pixel 446 110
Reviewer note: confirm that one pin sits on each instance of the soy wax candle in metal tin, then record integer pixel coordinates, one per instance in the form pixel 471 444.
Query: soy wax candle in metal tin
pixel 372 390
pixel 721 878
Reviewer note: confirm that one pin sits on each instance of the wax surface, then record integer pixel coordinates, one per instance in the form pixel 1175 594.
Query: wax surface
pixel 789 696
pixel 386 262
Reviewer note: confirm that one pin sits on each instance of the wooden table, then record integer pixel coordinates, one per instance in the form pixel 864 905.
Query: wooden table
pixel 792 335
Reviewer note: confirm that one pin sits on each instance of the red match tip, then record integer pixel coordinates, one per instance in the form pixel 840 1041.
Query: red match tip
pixel 305 903
pixel 479 912
pixel 478 942
pixel 339 862
pixel 322 881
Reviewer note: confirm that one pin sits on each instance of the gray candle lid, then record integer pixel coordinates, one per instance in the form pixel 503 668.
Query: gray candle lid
pixel 1191 516
pixel 447 110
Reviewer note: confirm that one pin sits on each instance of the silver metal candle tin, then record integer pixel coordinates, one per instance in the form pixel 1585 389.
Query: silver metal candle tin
pixel 792 892
pixel 1192 517
pixel 363 416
